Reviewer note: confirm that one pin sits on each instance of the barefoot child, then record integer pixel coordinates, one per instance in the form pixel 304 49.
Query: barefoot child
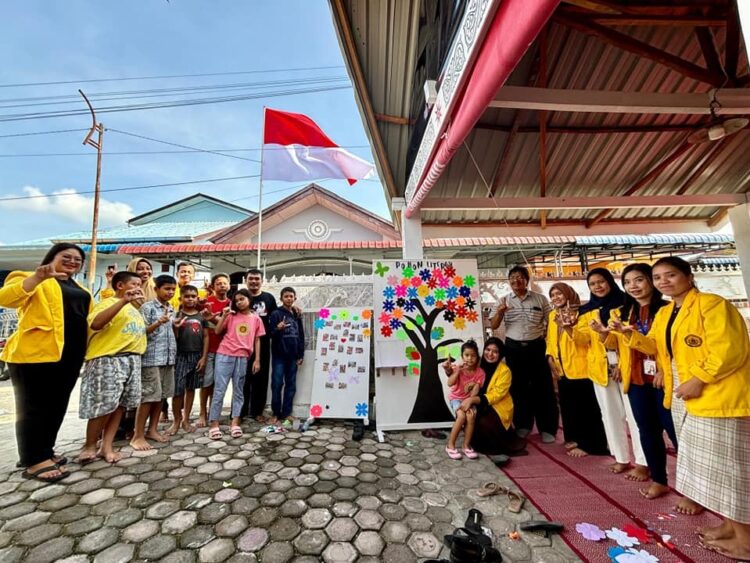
pixel 464 381
pixel 215 304
pixel 288 347
pixel 157 372
pixel 242 329
pixel 111 380
pixel 191 332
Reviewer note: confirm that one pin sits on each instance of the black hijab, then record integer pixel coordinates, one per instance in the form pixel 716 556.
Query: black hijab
pixel 614 299
pixel 487 367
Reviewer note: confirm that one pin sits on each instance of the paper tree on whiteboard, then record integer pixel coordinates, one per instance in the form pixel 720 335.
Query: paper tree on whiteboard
pixel 417 306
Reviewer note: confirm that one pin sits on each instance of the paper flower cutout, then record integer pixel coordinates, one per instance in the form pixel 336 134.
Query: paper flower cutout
pixel 366 313
pixel 621 537
pixel 614 552
pixel 636 556
pixel 408 272
pixel 361 409
pixel 366 332
pixel 324 313
pixel 591 532
pixel 316 410
pixel 320 323
pixel 635 532
pixel 381 269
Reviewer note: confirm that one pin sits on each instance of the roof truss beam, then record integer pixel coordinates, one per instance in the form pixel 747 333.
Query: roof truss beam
pixel 610 202
pixel 733 101
pixel 632 45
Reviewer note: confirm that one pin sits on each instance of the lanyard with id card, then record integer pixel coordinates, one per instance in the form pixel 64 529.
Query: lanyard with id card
pixel 649 366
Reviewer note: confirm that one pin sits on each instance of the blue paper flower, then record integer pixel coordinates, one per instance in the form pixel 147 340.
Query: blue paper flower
pixel 411 293
pixel 452 292
pixel 361 409
pixel 464 291
pixel 320 323
pixel 389 292
pixel 425 274
pixel 388 305
pixel 395 324
pixel 409 306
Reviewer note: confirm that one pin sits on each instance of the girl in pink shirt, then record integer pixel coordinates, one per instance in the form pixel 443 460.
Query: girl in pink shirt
pixel 243 329
pixel 464 381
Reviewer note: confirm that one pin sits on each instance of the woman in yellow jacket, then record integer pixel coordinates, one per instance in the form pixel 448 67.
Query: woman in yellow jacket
pixel 603 370
pixel 703 338
pixel 579 409
pixel 493 430
pixel 45 354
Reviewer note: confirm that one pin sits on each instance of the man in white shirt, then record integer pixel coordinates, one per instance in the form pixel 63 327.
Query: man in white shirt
pixel 525 314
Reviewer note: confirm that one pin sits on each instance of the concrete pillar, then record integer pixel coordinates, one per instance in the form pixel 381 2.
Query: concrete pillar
pixel 739 217
pixel 411 231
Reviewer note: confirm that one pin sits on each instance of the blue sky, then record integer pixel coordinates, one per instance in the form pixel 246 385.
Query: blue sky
pixel 79 40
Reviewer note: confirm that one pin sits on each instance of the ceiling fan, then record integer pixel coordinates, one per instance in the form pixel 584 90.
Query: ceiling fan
pixel 717 128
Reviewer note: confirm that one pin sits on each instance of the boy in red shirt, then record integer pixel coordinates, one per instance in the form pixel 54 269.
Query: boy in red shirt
pixel 215 304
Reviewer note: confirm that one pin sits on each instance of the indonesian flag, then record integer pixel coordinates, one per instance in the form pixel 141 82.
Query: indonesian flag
pixel 296 149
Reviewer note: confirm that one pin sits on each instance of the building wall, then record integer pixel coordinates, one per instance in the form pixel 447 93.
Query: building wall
pixel 337 228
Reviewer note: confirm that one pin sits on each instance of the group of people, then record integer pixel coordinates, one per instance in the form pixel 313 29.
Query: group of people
pixel 624 363
pixel 627 366
pixel 148 339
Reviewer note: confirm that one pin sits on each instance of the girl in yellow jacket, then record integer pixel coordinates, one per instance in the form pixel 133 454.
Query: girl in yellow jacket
pixel 603 371
pixel 493 428
pixel 581 417
pixel 45 354
pixel 703 339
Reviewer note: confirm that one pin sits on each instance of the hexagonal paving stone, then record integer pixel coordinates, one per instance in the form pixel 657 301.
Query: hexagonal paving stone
pixel 284 529
pixel 253 540
pixel 49 551
pixel 424 544
pixel 98 540
pixel 197 537
pixel 217 551
pixel 369 502
pixel 342 529
pixel 162 509
pixel 277 552
pixel 369 543
pixel 395 532
pixel 179 522
pixel 118 553
pixel 227 495
pixel 231 526
pixel 316 518
pixel 339 552
pixel 311 542
pixel 369 520
pixel 38 534
pixel 140 531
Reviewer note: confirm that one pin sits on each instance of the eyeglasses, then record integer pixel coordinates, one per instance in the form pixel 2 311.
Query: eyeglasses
pixel 516 278
pixel 71 259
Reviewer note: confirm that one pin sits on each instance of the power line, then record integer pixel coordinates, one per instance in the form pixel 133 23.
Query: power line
pixel 167 76
pixel 181 146
pixel 162 105
pixel 41 133
pixel 37 101
pixel 132 188
pixel 131 153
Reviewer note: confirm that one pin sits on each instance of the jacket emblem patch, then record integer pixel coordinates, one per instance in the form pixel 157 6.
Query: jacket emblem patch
pixel 693 340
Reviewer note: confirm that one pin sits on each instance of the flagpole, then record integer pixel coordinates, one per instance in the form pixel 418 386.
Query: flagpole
pixel 260 189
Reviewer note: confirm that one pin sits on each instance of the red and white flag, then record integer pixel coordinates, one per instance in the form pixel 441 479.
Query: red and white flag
pixel 296 149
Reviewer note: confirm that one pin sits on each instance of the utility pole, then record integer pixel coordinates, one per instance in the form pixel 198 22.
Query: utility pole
pixel 99 127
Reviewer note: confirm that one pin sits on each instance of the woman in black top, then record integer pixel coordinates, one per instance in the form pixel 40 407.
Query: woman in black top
pixel 45 354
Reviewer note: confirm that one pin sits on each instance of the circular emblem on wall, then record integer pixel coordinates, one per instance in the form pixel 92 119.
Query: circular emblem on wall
pixel 317 231
pixel 693 340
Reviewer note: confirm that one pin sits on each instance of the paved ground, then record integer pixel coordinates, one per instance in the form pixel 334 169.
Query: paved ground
pixel 316 496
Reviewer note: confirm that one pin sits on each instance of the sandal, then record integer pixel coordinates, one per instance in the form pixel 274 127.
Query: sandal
pixel 474 522
pixel 46 469
pixel 453 453
pixel 260 418
pixel 235 431
pixel 515 502
pixel 86 460
pixel 471 454
pixel 541 527
pixel 59 460
pixel 215 434
pixel 491 489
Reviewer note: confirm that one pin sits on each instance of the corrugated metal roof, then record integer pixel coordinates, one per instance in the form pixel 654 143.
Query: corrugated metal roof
pixel 110 248
pixel 151 232
pixel 689 238
pixel 585 165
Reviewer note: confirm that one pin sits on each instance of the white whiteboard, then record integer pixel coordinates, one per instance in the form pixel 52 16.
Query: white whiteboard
pixel 341 375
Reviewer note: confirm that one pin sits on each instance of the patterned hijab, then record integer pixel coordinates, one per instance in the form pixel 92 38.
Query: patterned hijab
pixel 571 297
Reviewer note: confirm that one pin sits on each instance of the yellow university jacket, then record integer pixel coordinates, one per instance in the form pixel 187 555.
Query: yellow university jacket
pixel 596 357
pixel 498 394
pixel 40 336
pixel 710 342
pixel 573 353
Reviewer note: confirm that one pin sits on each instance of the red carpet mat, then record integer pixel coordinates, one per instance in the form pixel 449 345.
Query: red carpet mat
pixel 572 491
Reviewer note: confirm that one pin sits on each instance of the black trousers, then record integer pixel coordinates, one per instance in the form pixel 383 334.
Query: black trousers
pixel 256 384
pixel 42 392
pixel 491 437
pixel 531 386
pixel 653 420
pixel 581 417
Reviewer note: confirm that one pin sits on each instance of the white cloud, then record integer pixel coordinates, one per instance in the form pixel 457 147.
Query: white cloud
pixel 68 204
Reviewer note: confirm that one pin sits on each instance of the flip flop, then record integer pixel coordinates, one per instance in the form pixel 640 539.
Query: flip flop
pixel 37 475
pixel 541 527
pixel 491 489
pixel 515 502
pixel 470 453
pixel 61 460
pixel 235 431
pixel 453 453
pixel 215 434
pixel 474 521
pixel 86 460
